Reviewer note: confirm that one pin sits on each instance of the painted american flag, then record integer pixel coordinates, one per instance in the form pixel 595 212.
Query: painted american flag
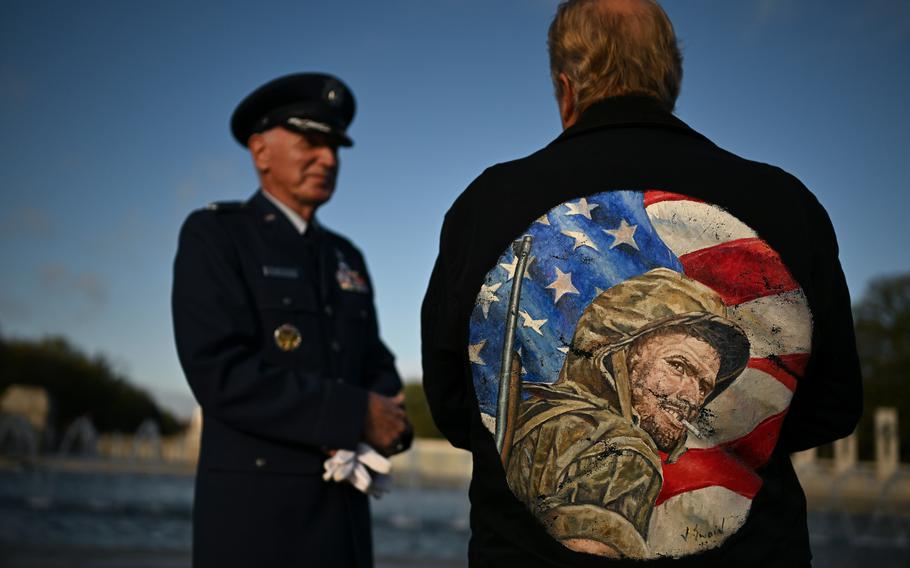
pixel 585 246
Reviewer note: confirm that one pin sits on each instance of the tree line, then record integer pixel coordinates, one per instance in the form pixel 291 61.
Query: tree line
pixel 82 385
pixel 882 323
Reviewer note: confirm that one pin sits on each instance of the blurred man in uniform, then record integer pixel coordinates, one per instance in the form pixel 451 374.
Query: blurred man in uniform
pixel 276 331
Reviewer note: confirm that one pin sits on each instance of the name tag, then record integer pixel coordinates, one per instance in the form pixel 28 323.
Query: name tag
pixel 280 272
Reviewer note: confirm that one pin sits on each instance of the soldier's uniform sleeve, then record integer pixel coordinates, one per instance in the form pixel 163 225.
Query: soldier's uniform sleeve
pixel 589 482
pixel 219 346
pixel 444 343
pixel 828 401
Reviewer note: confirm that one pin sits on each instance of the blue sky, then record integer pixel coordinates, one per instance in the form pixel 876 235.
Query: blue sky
pixel 115 122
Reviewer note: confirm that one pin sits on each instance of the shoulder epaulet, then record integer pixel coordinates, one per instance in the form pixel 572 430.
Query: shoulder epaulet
pixel 224 206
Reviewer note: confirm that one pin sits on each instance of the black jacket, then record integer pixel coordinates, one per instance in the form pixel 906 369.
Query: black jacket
pixel 630 144
pixel 270 415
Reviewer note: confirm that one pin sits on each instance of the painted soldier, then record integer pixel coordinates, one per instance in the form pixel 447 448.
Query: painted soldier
pixel 646 356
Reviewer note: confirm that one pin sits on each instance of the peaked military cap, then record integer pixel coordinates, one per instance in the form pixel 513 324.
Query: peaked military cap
pixel 302 102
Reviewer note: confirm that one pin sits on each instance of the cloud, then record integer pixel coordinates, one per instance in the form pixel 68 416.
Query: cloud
pixel 59 279
pixel 10 309
pixel 26 221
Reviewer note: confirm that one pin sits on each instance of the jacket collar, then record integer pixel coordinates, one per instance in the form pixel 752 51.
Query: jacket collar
pixel 270 215
pixel 299 223
pixel 626 110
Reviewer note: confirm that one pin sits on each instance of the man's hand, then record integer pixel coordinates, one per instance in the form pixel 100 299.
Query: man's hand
pixel 385 422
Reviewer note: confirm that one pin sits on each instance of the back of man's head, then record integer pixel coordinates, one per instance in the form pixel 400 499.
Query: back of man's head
pixel 607 48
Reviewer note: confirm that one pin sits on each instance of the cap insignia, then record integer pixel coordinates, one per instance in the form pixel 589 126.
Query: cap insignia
pixel 307 124
pixel 333 93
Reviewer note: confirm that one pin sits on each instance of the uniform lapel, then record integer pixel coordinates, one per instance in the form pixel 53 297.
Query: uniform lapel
pixel 275 225
pixel 284 245
pixel 326 254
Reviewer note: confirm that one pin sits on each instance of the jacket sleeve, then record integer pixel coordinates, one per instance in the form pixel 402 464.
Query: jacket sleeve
pixel 219 346
pixel 828 401
pixel 444 345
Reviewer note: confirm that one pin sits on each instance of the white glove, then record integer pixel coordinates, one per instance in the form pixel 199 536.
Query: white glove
pixel 355 468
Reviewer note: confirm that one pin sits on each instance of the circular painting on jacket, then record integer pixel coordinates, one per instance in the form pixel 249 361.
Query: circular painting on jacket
pixel 634 354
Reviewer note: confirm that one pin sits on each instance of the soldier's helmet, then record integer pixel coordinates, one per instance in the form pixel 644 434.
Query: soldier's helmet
pixel 641 305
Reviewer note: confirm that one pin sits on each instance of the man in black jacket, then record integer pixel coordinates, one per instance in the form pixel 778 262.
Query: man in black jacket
pixel 277 334
pixel 632 328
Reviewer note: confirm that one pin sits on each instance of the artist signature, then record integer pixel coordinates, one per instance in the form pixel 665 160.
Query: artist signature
pixel 696 533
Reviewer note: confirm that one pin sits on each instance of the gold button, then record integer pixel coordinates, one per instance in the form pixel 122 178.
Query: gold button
pixel 260 462
pixel 287 337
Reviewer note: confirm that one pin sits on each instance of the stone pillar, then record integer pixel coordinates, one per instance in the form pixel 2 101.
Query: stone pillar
pixel 31 403
pixel 887 446
pixel 193 436
pixel 805 458
pixel 845 454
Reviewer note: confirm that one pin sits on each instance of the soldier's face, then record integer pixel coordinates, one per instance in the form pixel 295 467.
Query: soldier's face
pixel 301 167
pixel 671 375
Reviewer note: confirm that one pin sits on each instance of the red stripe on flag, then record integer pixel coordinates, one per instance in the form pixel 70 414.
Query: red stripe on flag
pixel 755 448
pixel 740 270
pixel 653 196
pixel 700 468
pixel 787 369
pixel 730 465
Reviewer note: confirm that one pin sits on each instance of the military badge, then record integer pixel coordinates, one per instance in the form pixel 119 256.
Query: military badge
pixel 287 337
pixel 349 279
pixel 333 93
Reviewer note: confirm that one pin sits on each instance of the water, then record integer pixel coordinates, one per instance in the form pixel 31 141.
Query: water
pixel 95 510
pixel 151 514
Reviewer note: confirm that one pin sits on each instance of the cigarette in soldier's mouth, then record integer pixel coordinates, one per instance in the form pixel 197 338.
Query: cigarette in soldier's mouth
pixel 690 428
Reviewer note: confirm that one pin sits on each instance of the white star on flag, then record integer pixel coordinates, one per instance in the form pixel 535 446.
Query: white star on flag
pixel 510 267
pixel 531 322
pixel 581 208
pixel 563 349
pixel 562 285
pixel 624 235
pixel 474 352
pixel 543 219
pixel 487 297
pixel 581 240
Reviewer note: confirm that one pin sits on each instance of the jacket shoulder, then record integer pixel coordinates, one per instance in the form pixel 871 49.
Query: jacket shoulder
pixel 222 207
pixel 212 221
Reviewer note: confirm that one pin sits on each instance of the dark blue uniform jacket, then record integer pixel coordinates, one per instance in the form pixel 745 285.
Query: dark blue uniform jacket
pixel 270 415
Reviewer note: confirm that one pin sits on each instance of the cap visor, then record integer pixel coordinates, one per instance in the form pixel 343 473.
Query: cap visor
pixel 340 137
